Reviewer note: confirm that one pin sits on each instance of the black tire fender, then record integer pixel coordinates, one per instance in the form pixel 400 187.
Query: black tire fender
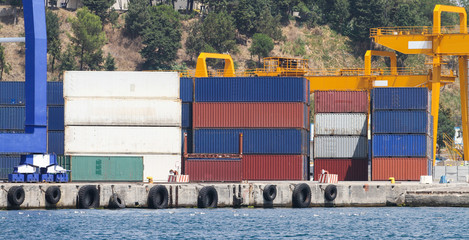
pixel 16 195
pixel 53 195
pixel 270 192
pixel 158 197
pixel 330 193
pixel 88 197
pixel 116 202
pixel 301 197
pixel 207 198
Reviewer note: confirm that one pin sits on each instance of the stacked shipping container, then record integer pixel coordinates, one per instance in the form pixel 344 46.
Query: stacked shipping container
pixel 271 113
pixel 129 114
pixel 12 117
pixel 401 127
pixel 340 134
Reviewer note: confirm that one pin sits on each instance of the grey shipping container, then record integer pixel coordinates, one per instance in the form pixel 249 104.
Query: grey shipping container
pixel 340 124
pixel 340 147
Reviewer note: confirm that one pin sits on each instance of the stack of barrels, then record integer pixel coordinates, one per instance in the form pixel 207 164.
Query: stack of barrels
pixel 402 133
pixel 268 115
pixel 340 134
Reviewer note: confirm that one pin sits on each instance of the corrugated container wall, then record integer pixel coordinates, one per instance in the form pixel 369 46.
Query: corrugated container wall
pixel 251 115
pixel 255 141
pixel 187 89
pixel 401 169
pixel 189 140
pixel 346 169
pixel 55 95
pixel 55 118
pixel 99 168
pixel 7 164
pixel 340 147
pixel 400 145
pixel 275 167
pixel 130 84
pixel 12 93
pixel 401 122
pixel 341 101
pixel 12 118
pixel 55 142
pixel 400 99
pixel 158 166
pixel 187 115
pixel 248 89
pixel 341 124
pixel 213 170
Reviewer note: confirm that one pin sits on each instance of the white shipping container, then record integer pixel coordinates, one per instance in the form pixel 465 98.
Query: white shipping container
pixel 122 112
pixel 340 124
pixel 121 84
pixel 340 147
pixel 158 166
pixel 122 140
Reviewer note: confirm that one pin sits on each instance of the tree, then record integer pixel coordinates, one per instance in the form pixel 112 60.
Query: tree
pixel 219 31
pixel 99 7
pixel 136 17
pixel 67 60
pixel 268 24
pixel 4 66
pixel 53 41
pixel 195 42
pixel 161 37
pixel 261 46
pixel 445 125
pixel 88 39
pixel 244 17
pixel 336 14
pixel 366 14
pixel 109 63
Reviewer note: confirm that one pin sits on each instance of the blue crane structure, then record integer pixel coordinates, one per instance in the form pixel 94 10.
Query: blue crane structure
pixel 37 165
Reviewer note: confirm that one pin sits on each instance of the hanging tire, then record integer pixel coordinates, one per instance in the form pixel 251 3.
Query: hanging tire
pixel 16 196
pixel 88 197
pixel 53 195
pixel 330 193
pixel 116 202
pixel 301 197
pixel 270 193
pixel 208 197
pixel 158 197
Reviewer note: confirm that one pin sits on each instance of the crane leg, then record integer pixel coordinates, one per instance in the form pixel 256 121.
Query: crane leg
pixel 463 81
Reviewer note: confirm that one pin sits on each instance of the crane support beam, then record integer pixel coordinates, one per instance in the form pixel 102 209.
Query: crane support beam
pixel 201 68
pixel 444 8
pixel 463 82
pixel 371 53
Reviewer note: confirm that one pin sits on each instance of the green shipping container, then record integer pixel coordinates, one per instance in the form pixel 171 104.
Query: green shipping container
pixel 63 161
pixel 117 169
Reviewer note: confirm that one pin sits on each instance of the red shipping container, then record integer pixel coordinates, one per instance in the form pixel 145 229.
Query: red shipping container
pixel 347 169
pixel 275 167
pixel 341 101
pixel 202 170
pixel 250 115
pixel 401 169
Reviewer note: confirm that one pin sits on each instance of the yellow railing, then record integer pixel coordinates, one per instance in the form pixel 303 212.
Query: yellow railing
pixel 413 30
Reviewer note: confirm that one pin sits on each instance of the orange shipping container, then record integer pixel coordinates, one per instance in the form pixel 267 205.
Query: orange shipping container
pixel 401 169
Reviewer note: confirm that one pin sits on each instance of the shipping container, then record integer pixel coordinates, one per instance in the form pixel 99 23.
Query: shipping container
pixel 12 117
pixel 213 170
pixel 121 84
pixel 188 131
pixel 12 93
pixel 251 115
pixel 400 145
pixel 102 168
pixel 55 118
pixel 255 141
pixel 122 112
pixel 7 165
pixel 340 147
pixel 275 167
pixel 341 124
pixel 400 99
pixel 187 90
pixel 341 102
pixel 249 89
pixel 416 121
pixel 346 169
pixel 187 115
pixel 122 140
pixel 55 94
pixel 55 142
pixel 158 166
pixel 401 169
pixel 64 161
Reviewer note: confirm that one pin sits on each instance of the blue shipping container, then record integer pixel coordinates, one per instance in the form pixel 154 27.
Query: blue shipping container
pixel 187 115
pixel 12 117
pixel 55 142
pixel 55 118
pixel 7 164
pixel 400 98
pixel 186 89
pixel 55 93
pixel 189 140
pixel 12 93
pixel 400 145
pixel 255 141
pixel 252 89
pixel 400 121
